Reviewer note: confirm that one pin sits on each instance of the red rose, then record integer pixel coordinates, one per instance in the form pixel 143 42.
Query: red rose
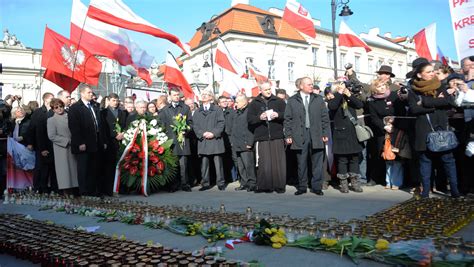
pixel 151 171
pixel 135 148
pixel 135 162
pixel 128 157
pixel 154 145
pixel 126 166
pixel 160 165
pixel 161 150
pixel 141 154
pixel 154 159
pixel 133 170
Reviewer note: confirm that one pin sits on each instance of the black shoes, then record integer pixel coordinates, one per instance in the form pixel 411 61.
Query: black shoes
pixel 204 188
pixel 221 188
pixel 186 188
pixel 240 188
pixel 317 192
pixel 300 192
pixel 280 191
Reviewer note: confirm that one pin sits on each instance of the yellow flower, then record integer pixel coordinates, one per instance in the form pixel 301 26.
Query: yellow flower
pixel 274 230
pixel 323 240
pixel 383 241
pixel 275 239
pixel 331 242
pixel 281 232
pixel 382 244
pixel 209 240
pixel 276 245
pixel 268 231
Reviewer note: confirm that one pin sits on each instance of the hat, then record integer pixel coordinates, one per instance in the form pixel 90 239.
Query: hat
pixel 414 65
pixel 386 69
pixel 455 76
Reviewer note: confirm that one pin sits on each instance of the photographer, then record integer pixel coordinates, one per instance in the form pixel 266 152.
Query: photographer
pixel 346 146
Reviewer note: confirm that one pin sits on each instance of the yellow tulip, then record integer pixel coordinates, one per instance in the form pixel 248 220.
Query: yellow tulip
pixel 274 239
pixel 268 231
pixel 323 240
pixel 381 246
pixel 276 245
pixel 274 230
pixel 331 242
pixel 281 232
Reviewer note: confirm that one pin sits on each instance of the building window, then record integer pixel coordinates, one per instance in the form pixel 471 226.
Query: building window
pixel 330 62
pixel 271 69
pixel 290 71
pixel 357 63
pixel 315 56
pixel 342 61
pixel 371 65
pixel 379 63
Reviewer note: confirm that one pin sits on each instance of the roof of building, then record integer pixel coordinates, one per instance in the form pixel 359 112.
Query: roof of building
pixel 247 19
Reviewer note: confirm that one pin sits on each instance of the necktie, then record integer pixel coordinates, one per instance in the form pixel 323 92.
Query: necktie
pixel 306 104
pixel 93 116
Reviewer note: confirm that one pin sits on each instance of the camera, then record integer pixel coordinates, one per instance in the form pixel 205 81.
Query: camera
pixel 403 89
pixel 348 66
pixel 354 87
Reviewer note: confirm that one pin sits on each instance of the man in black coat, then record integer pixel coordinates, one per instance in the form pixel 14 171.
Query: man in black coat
pixel 229 155
pixel 39 141
pixel 208 124
pixel 182 151
pixel 242 143
pixel 265 117
pixel 114 120
pixel 307 130
pixel 86 140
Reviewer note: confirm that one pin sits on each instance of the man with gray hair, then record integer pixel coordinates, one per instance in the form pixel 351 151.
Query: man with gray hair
pixel 65 96
pixel 140 110
pixel 208 125
pixel 307 130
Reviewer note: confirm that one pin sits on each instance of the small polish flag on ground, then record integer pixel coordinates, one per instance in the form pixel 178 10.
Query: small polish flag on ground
pixel 299 18
pixel 349 39
pixel 425 42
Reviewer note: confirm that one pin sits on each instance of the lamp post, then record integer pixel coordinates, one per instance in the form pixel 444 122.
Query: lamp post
pixel 346 11
pixel 217 32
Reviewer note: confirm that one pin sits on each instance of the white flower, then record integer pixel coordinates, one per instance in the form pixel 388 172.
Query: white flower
pixel 152 131
pixel 135 123
pixel 153 122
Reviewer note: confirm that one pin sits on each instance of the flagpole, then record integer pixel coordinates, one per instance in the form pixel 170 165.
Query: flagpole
pixel 78 46
pixel 274 48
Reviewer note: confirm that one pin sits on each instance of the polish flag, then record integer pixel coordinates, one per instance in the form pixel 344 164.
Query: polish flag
pixel 225 60
pixel 109 41
pixel 173 75
pixel 441 57
pixel 256 73
pixel 115 12
pixel 67 83
pixel 349 39
pixel 64 57
pixel 425 42
pixel 299 18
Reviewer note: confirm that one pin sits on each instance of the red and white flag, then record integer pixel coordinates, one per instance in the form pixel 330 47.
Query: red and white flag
pixel 174 76
pixel 109 41
pixel 67 83
pixel 441 57
pixel 425 42
pixel 349 39
pixel 225 60
pixel 298 17
pixel 115 12
pixel 63 56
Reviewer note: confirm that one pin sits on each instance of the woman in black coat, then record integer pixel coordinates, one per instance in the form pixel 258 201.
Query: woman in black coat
pixel 346 147
pixel 20 125
pixel 383 105
pixel 429 101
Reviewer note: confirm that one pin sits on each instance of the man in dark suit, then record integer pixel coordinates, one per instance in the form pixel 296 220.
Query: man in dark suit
pixel 229 155
pixel 86 140
pixel 112 117
pixel 182 151
pixel 140 110
pixel 208 125
pixel 306 130
pixel 39 141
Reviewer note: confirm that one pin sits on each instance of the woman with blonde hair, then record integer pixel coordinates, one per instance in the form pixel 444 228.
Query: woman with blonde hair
pixel 21 124
pixel 383 105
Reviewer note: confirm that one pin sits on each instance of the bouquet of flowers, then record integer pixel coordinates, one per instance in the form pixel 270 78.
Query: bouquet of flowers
pixel 267 234
pixel 180 127
pixel 146 161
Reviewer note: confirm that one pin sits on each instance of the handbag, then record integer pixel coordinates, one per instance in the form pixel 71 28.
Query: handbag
pixel 363 132
pixel 440 141
pixel 387 153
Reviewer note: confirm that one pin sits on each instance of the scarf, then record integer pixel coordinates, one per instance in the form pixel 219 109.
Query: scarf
pixel 426 87
pixel 382 96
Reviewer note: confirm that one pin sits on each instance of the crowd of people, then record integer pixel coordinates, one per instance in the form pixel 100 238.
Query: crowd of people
pixel 310 140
